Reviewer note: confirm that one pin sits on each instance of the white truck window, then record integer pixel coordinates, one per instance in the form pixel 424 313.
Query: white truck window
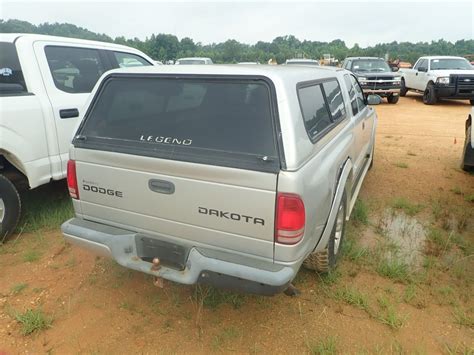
pixel 74 70
pixel 11 75
pixel 127 60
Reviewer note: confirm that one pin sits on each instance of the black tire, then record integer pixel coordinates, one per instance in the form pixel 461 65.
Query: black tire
pixel 10 207
pixel 429 96
pixel 326 260
pixel 471 101
pixel 467 152
pixel 392 99
pixel 403 88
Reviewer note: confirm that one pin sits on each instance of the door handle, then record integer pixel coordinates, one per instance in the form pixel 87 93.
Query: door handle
pixel 69 113
pixel 161 186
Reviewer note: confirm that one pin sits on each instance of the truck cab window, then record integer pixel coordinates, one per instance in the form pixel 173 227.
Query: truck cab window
pixel 74 70
pixel 314 109
pixel 127 60
pixel 11 75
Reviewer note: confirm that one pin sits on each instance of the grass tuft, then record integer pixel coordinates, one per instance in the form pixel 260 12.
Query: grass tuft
pixel 212 297
pixel 353 297
pixel 32 321
pixel 360 212
pixel 394 269
pixel 389 315
pixel 30 256
pixel 401 165
pixel 45 208
pixel 406 206
pixel 18 288
pixel 463 317
pixel 323 347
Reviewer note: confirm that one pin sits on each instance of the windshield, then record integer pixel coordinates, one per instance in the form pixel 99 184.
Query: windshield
pixel 444 64
pixel 370 66
pixel 191 61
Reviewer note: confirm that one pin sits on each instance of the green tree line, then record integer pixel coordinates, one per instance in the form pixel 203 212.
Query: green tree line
pixel 168 47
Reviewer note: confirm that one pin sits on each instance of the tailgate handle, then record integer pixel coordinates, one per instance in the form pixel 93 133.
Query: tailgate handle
pixel 161 186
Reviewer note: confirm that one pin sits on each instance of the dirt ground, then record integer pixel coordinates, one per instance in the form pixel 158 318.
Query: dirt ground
pixel 96 306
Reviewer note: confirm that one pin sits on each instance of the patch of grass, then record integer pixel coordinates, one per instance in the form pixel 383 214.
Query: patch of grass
pixel 18 288
pixel 469 198
pixel 353 297
pixel 456 190
pixel 411 154
pixel 31 255
pixel 212 297
pixel 127 306
pixel 438 243
pixel 401 165
pixel 464 317
pixel 45 208
pixel 406 206
pixel 393 268
pixel 226 335
pixel 32 321
pixel 360 212
pixel 353 251
pixel 330 278
pixel 323 347
pixel 410 293
pixel 389 315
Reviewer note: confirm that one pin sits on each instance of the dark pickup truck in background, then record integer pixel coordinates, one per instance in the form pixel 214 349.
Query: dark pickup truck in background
pixel 375 76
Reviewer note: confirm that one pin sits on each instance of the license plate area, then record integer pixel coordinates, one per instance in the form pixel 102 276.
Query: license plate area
pixel 170 255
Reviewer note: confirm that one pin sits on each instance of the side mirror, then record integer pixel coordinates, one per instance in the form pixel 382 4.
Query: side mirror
pixel 374 100
pixel 395 68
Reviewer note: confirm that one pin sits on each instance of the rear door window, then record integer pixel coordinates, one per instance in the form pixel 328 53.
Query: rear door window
pixel 314 109
pixel 204 120
pixel 335 100
pixel 127 60
pixel 352 94
pixel 12 81
pixel 74 70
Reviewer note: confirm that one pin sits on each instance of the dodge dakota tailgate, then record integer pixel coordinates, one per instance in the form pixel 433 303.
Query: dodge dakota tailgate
pixel 186 158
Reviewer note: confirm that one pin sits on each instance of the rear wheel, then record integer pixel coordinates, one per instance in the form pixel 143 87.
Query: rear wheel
pixel 392 99
pixel 468 152
pixel 403 88
pixel 10 207
pixel 326 260
pixel 429 96
pixel 471 101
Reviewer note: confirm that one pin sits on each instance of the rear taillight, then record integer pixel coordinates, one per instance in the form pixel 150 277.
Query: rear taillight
pixel 290 219
pixel 72 179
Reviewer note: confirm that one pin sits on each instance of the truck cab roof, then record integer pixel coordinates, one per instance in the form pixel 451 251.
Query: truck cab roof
pixel 13 37
pixel 287 75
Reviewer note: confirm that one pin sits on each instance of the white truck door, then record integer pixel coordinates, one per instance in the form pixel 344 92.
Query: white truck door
pixel 69 73
pixel 421 75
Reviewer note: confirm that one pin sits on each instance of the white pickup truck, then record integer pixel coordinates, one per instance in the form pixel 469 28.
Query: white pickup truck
pixel 44 84
pixel 440 77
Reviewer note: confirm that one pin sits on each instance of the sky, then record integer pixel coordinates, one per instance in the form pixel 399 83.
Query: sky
pixel 365 23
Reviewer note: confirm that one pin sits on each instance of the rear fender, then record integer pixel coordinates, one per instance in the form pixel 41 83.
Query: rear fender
pixel 343 185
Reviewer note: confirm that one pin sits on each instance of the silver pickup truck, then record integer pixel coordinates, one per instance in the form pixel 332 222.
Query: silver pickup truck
pixel 232 176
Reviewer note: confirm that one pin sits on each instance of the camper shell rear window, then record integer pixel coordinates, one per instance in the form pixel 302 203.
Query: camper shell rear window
pixel 226 121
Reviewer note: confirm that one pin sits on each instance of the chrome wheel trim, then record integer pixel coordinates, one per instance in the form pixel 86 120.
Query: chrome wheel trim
pixel 339 228
pixel 2 210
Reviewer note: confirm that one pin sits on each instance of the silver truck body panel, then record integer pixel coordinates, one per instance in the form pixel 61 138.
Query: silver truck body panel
pixel 318 172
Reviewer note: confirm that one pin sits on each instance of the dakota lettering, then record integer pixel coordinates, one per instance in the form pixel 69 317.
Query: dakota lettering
pixel 231 215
